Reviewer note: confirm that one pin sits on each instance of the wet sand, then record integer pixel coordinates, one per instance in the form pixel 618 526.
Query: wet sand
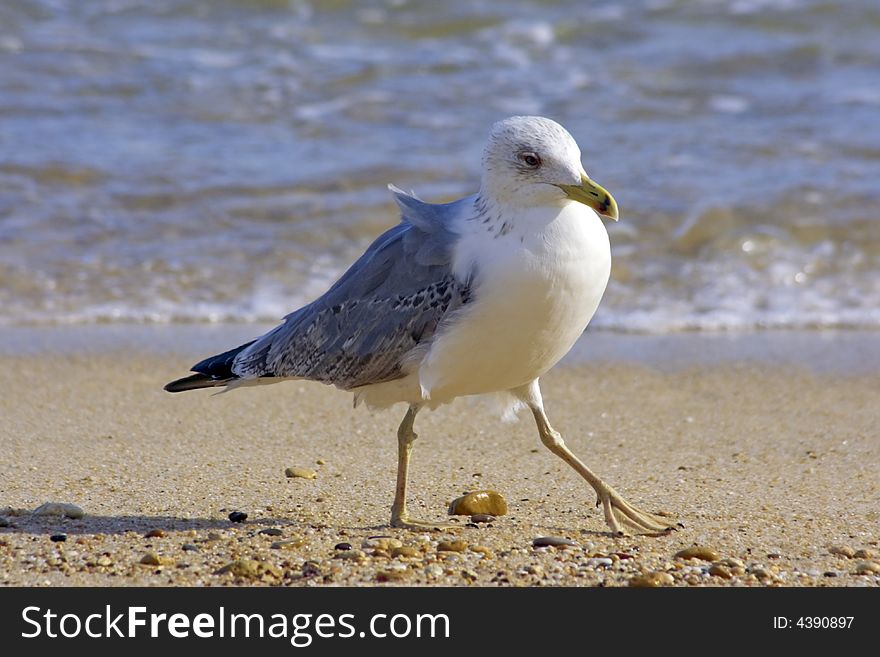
pixel 773 465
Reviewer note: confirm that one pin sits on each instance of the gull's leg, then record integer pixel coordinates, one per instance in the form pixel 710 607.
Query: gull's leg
pixel 617 510
pixel 405 438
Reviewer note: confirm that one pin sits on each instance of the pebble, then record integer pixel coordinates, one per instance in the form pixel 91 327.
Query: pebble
pixel 452 546
pixel 434 570
pixel 250 569
pixel 868 568
pixel 597 562
pixel 762 573
pixel 553 541
pixel 353 555
pixel 405 552
pixel 482 549
pixel 289 544
pixel 59 509
pixel 300 473
pixel 311 569
pixel 189 547
pixel 381 543
pixel 733 562
pixel 843 551
pixel 153 559
pixel 718 570
pixel 155 533
pixel 702 553
pixel 104 561
pixel 482 518
pixel 342 546
pixel 58 538
pixel 487 502
pixel 238 516
pixel 652 580
pixel 271 531
pixel 865 554
pixel 391 575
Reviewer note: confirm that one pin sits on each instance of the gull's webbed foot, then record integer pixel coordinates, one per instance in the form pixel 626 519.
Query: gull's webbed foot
pixel 620 513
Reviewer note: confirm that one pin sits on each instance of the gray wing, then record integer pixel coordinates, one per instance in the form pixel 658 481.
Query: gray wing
pixel 390 300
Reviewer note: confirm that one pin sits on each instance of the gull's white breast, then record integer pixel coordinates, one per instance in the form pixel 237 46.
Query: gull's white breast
pixel 535 290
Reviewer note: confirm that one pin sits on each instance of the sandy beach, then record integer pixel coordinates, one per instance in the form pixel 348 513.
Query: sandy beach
pixel 771 465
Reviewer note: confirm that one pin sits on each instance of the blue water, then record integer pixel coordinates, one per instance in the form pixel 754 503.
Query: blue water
pixel 221 161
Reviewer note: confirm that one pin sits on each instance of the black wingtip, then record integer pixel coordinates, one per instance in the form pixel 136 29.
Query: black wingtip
pixel 194 382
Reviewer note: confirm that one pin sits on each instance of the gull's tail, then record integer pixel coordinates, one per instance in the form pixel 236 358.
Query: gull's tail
pixel 210 373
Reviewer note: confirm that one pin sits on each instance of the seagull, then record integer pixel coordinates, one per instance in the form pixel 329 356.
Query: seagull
pixel 481 295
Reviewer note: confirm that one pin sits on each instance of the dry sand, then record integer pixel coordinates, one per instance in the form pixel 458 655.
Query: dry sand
pixel 772 466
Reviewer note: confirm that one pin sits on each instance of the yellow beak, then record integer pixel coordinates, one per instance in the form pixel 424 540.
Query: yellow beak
pixel 592 195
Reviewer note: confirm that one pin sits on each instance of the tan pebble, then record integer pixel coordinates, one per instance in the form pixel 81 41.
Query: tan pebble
pixel 288 544
pixel 350 555
pixel 702 553
pixel 718 570
pixel 482 549
pixel 843 551
pixel 250 569
pixel 381 543
pixel 405 552
pixel 482 501
pixel 380 554
pixel 535 570
pixel 868 568
pixel 391 575
pixel 59 509
pixel 651 580
pixel 153 559
pixel 301 473
pixel 155 533
pixel 319 462
pixel 761 573
pixel 452 546
pixel 733 562
pixel 865 554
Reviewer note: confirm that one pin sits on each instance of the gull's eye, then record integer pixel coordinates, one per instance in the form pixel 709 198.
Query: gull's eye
pixel 531 160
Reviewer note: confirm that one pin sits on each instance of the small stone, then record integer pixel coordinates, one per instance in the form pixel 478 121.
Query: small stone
pixel 732 562
pixel 289 544
pixel 452 546
pixel 353 555
pixel 482 518
pixel 189 547
pixel 271 531
pixel 485 551
pixel 300 473
pixel 536 570
pixel 865 554
pixel 155 533
pixel 702 553
pixel 718 570
pixel 153 559
pixel 829 573
pixel 391 575
pixel 868 568
pixel 381 543
pixel 405 552
pixel 652 580
pixel 342 546
pixel 319 462
pixel 487 502
pixel 434 570
pixel 250 569
pixel 553 541
pixel 843 551
pixel 104 561
pixel 238 516
pixel 761 573
pixel 59 509
pixel 311 569
pixel 600 562
pixel 58 538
